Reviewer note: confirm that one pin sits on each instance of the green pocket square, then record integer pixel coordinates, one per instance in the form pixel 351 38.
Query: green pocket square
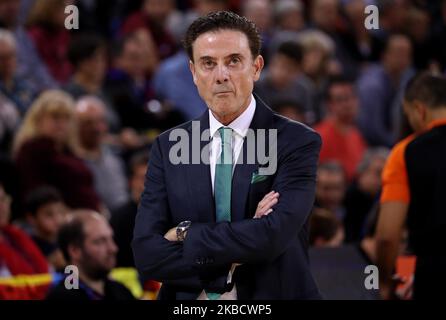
pixel 258 177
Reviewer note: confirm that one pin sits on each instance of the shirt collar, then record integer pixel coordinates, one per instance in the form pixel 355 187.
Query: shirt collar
pixel 240 125
pixel 436 123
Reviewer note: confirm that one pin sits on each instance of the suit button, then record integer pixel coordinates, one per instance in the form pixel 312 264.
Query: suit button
pixel 209 260
pixel 199 261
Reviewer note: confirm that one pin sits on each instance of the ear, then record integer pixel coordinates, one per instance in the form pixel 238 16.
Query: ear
pixel 192 70
pixel 421 110
pixel 258 66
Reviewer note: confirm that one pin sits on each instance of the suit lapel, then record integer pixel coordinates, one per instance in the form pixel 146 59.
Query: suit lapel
pixel 241 180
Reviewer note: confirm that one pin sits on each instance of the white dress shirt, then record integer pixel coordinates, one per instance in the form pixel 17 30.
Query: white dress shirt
pixel 240 128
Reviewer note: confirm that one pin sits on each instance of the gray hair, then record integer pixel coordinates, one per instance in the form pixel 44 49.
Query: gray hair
pixel 83 102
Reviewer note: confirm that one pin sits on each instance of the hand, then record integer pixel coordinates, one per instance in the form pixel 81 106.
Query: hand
pixel 406 291
pixel 171 235
pixel 388 290
pixel 265 205
pixel 130 139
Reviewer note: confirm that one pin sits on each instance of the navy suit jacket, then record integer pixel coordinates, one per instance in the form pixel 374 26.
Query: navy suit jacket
pixel 272 249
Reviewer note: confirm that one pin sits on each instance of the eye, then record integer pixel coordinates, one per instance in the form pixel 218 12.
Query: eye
pixel 208 63
pixel 234 60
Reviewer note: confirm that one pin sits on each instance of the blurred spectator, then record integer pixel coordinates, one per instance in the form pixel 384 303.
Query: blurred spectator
pixel 123 219
pixel 107 168
pixel 45 151
pixel 131 90
pixel 364 46
pixel 127 84
pixel 25 8
pixel 30 66
pixel 325 229
pixel 318 50
pixel 103 17
pixel 438 34
pixel 87 243
pixel 341 139
pixel 9 122
pixel 46 27
pixel 325 16
pixel 362 195
pixel 46 212
pixel 418 28
pixel 380 90
pixel 18 253
pixel 283 77
pixel 392 17
pixel 178 23
pixel 330 188
pixel 173 83
pixel 153 17
pixel 290 109
pixel 289 15
pixel 14 87
pixel 88 55
pixel 261 13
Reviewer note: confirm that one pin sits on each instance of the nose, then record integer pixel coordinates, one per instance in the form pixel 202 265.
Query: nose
pixel 222 74
pixel 113 247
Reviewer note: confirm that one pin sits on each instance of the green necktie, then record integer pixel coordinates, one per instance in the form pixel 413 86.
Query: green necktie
pixel 222 184
pixel 223 177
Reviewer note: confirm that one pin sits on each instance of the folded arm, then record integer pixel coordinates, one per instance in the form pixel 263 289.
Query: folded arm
pixel 264 239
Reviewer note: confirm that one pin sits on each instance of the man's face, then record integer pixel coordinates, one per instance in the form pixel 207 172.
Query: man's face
pixel 158 10
pixel 325 13
pixel 99 250
pixel 343 102
pixel 398 56
pixel 133 59
pixel 261 13
pixel 224 72
pixel 292 20
pixel 8 60
pixel 92 125
pixel 330 189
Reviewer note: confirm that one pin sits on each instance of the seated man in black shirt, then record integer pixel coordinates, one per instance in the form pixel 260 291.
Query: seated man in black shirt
pixel 87 243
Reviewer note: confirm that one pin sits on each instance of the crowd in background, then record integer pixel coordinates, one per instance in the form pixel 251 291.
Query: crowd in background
pixel 79 109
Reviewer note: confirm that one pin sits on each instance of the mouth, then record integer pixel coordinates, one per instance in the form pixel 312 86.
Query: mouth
pixel 223 92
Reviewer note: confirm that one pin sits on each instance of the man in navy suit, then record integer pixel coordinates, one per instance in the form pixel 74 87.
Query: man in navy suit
pixel 217 221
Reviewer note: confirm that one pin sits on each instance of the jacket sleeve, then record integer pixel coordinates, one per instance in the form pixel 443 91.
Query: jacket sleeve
pixel 264 239
pixel 155 257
